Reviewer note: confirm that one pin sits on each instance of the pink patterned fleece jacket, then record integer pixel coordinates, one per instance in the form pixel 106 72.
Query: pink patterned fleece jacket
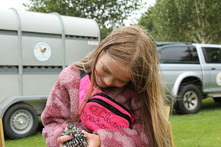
pixel 63 103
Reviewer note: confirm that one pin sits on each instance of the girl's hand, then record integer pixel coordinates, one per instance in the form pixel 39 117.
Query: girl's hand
pixel 62 139
pixel 92 140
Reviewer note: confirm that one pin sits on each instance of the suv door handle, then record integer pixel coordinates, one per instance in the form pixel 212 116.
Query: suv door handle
pixel 213 68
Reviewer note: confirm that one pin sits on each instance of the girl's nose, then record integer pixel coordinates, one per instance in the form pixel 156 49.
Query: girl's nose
pixel 109 80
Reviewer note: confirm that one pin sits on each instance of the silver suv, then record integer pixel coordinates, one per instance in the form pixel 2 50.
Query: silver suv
pixel 191 73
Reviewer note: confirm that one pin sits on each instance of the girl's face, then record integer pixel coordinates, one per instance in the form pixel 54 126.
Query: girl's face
pixel 109 73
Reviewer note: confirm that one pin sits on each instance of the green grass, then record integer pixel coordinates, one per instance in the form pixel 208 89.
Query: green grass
pixel 33 141
pixel 36 140
pixel 198 130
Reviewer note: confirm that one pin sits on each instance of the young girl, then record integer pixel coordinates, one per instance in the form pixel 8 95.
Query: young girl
pixel 125 67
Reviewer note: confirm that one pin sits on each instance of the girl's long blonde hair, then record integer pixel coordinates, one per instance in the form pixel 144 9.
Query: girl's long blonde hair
pixel 134 46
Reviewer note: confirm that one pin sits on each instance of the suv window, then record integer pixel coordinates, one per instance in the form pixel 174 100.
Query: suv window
pixel 212 55
pixel 178 55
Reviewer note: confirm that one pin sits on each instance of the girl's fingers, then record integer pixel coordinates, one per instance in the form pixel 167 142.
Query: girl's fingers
pixel 85 133
pixel 92 139
pixel 62 139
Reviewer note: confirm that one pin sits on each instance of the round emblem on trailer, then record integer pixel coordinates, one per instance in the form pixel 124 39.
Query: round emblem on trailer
pixel 218 79
pixel 42 51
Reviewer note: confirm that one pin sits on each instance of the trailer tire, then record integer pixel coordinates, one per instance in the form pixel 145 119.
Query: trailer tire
pixel 189 100
pixel 20 120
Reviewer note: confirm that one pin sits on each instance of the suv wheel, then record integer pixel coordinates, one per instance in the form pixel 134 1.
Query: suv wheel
pixel 189 100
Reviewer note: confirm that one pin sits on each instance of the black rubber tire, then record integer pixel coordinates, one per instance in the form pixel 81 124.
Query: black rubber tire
pixel 20 120
pixel 189 100
pixel 217 99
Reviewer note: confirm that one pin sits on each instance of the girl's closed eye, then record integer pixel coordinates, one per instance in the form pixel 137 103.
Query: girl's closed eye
pixel 105 69
pixel 123 82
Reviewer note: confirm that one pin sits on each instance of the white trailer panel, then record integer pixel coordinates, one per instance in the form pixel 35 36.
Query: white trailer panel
pixel 35 47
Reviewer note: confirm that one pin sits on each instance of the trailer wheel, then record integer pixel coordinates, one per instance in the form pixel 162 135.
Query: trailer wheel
pixel 19 121
pixel 189 100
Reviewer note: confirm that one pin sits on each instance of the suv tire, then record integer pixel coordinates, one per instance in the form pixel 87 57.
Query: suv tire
pixel 189 100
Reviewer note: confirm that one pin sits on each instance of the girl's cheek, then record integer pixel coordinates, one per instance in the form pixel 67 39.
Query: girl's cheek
pixel 99 71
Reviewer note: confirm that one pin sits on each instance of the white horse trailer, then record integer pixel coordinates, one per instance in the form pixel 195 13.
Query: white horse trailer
pixel 35 47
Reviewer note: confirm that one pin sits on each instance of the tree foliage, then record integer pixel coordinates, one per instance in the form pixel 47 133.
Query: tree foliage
pixel 186 20
pixel 108 14
pixel 147 21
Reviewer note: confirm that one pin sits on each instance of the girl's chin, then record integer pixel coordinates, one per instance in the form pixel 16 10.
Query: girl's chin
pixel 100 83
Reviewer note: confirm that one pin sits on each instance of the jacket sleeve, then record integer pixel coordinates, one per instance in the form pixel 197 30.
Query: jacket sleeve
pixel 61 105
pixel 126 137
